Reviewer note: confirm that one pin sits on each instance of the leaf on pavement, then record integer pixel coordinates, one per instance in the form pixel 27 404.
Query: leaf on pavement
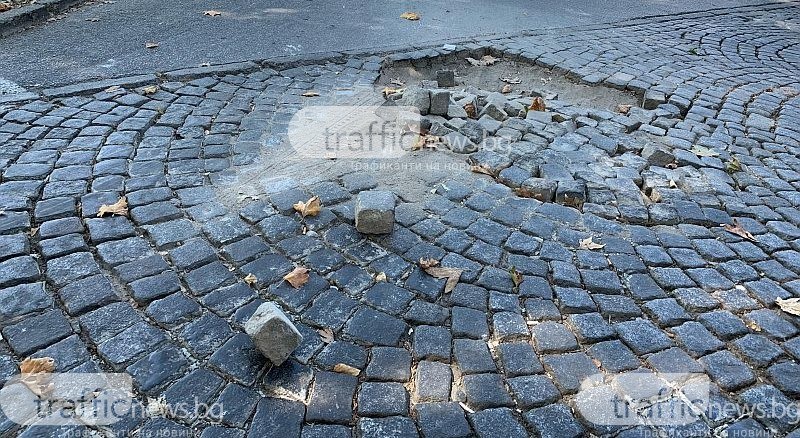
pixel 326 334
pixel 150 89
pixel 624 108
pixel 426 141
pixel 481 169
pixel 119 208
pixel 388 91
pixel 298 277
pixel 537 104
pixel 484 61
pixel 516 276
pixel 5 7
pixel 588 244
pixel 428 263
pixel 251 279
pixel 506 89
pixel 790 305
pixel 308 208
pixel 35 374
pixel 346 369
pixel 381 276
pixel 472 112
pixel 702 151
pixel 451 274
pixel 411 16
pixel 151 45
pixel 212 13
pixel 310 93
pixel 737 229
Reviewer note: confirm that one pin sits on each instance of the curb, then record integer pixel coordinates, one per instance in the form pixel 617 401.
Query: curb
pixel 11 21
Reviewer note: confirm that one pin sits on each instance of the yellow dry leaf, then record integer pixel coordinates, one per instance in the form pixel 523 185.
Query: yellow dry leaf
pixel 588 244
pixel 737 229
pixel 481 169
pixel 789 305
pixel 326 335
pixel 35 374
pixel 309 208
pixel 119 208
pixel 752 325
pixel 311 93
pixel 506 89
pixel 388 91
pixel 251 279
pixel 298 277
pixel 212 13
pixel 428 263
pixel 346 369
pixel 411 16
pixel 472 112
pixel 702 151
pixel 451 274
pixel 150 89
pixel 624 108
pixel 537 104
pixel 516 276
pixel 151 45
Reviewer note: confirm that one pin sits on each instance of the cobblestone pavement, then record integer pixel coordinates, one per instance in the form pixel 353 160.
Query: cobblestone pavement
pixel 161 295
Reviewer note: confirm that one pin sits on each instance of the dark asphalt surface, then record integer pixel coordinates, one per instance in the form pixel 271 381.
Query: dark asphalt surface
pixel 74 49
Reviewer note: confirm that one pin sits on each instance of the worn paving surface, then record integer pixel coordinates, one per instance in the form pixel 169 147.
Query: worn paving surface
pixel 112 44
pixel 161 295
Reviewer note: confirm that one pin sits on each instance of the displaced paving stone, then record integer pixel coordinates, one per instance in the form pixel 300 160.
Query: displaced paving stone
pixel 273 333
pixel 374 212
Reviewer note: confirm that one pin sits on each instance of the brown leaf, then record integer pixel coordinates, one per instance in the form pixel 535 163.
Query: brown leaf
pixel 425 141
pixel 212 13
pixel 537 104
pixel 790 305
pixel 151 45
pixel 310 93
pixel 298 277
pixel 451 274
pixel 752 325
pixel 326 334
pixel 5 7
pixel 624 108
pixel 428 263
pixel 484 61
pixel 411 16
pixel 150 89
pixel 471 111
pixel 388 91
pixel 36 373
pixel 506 89
pixel 737 229
pixel 481 169
pixel 516 276
pixel 311 207
pixel 346 369
pixel 119 208
pixel 588 244
pixel 251 279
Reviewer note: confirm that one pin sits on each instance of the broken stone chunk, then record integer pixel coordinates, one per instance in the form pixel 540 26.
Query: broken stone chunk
pixel 539 188
pixel 657 155
pixel 375 212
pixel 440 102
pixel 495 111
pixel 446 78
pixel 273 333
pixel 459 143
pixel 416 97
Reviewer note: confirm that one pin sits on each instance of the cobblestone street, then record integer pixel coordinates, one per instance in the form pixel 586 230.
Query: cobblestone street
pixel 162 293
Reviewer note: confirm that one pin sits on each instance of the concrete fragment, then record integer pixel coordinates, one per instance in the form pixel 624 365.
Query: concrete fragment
pixel 273 333
pixel 375 212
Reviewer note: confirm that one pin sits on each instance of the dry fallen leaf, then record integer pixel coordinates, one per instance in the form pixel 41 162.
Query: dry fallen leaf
pixel 119 208
pixel 587 243
pixel 251 279
pixel 790 305
pixel 514 80
pixel 702 151
pixel 428 263
pixel 5 7
pixel 516 276
pixel 484 61
pixel 451 274
pixel 506 89
pixel 481 169
pixel 150 89
pixel 151 45
pixel 381 276
pixel 346 369
pixel 426 141
pixel 212 13
pixel 388 91
pixel 308 208
pixel 472 112
pixel 33 231
pixel 752 325
pixel 624 108
pixel 411 16
pixel 326 334
pixel 311 93
pixel 737 229
pixel 35 374
pixel 298 277
pixel 537 104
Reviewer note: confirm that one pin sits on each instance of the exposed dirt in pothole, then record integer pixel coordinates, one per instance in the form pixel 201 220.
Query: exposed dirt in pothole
pixel 531 77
